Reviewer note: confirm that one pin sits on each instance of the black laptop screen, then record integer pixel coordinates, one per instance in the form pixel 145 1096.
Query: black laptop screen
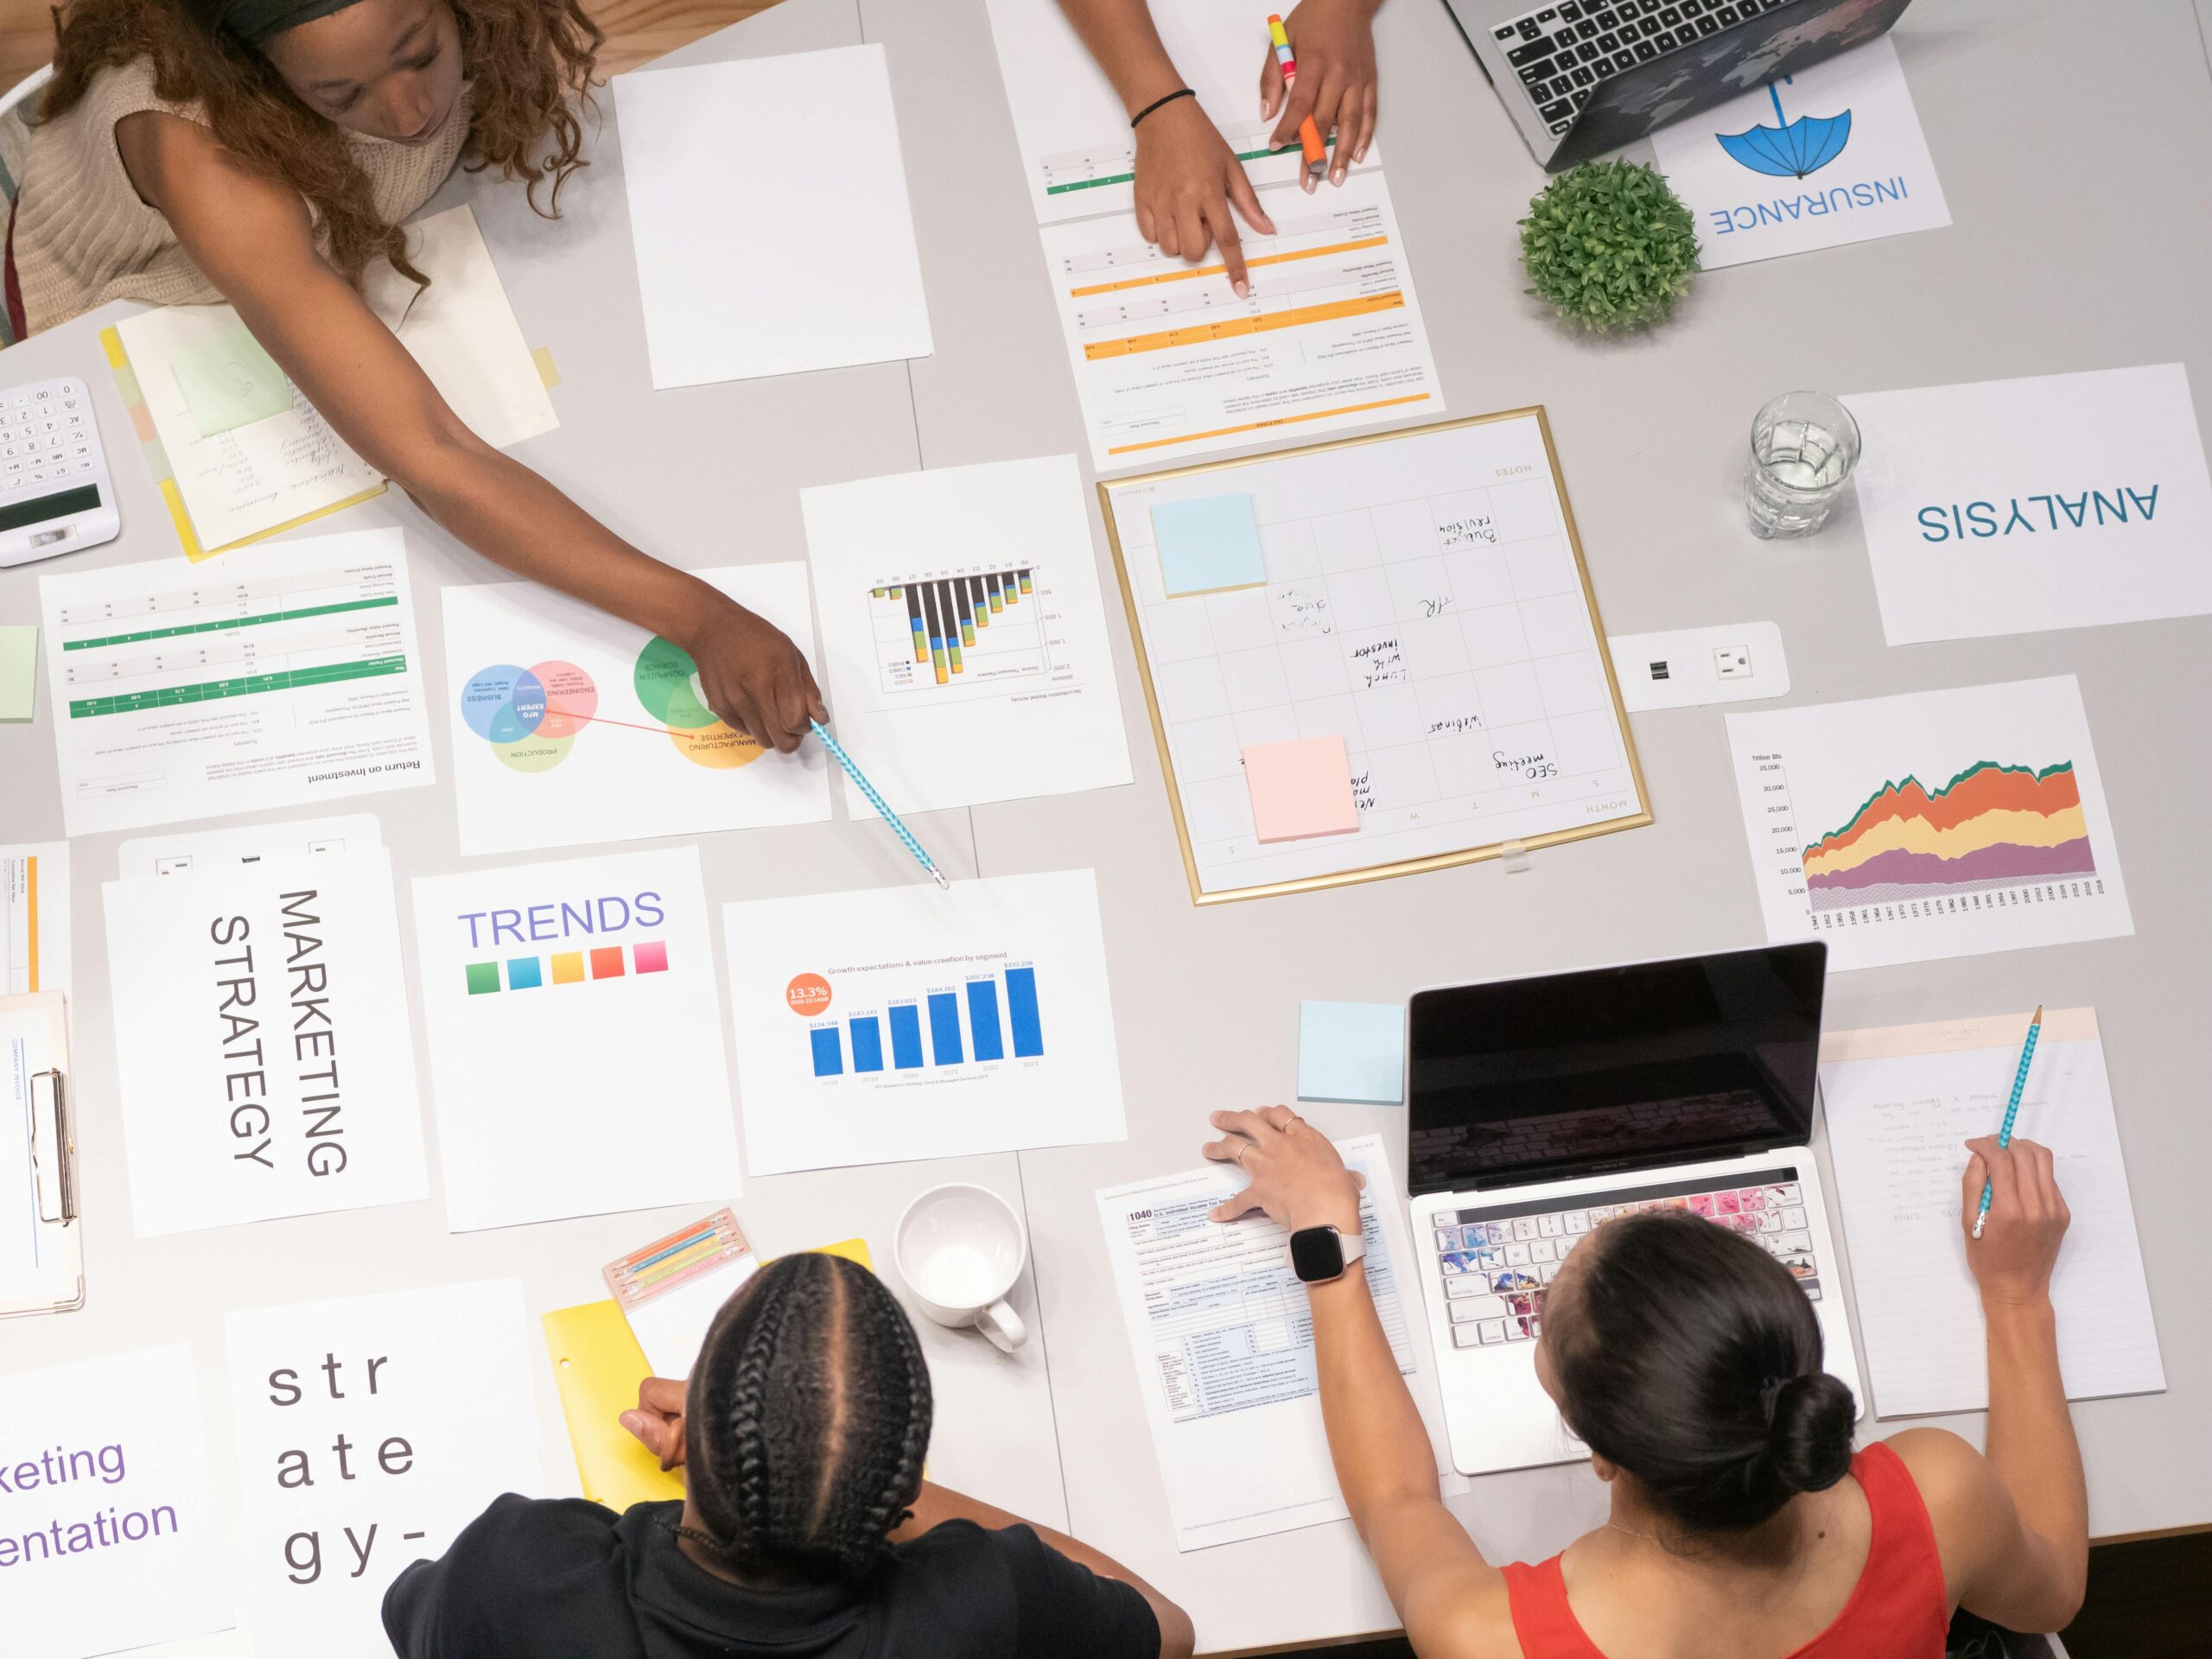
pixel 1612 1068
pixel 1736 55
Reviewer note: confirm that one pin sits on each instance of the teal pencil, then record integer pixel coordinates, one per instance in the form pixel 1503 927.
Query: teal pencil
pixel 860 783
pixel 2012 1108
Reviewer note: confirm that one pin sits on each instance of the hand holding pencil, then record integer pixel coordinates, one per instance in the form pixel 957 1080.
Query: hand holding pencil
pixel 2013 1256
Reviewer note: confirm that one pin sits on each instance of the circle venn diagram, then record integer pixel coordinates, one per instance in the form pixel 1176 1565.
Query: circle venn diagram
pixel 531 716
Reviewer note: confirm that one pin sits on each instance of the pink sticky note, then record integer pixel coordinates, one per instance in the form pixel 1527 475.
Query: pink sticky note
pixel 1301 789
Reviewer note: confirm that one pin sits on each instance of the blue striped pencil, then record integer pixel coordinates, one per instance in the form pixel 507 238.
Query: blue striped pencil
pixel 860 783
pixel 2012 1108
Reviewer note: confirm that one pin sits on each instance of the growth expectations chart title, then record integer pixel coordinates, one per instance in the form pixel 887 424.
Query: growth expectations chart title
pixel 271 990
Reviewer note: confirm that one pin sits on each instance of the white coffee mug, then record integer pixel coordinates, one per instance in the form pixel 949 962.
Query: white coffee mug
pixel 960 1249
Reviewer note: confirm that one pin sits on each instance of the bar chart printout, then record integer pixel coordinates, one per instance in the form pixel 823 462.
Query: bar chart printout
pixel 1000 1015
pixel 905 1022
pixel 962 629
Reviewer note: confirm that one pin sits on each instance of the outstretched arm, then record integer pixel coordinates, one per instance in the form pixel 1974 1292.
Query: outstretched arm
pixel 2012 1523
pixel 251 237
pixel 1450 1598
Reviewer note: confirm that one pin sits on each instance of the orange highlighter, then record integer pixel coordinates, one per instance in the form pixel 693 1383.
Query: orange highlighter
pixel 1309 135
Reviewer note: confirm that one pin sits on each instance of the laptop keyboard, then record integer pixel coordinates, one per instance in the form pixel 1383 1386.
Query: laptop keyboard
pixel 1562 52
pixel 1498 1261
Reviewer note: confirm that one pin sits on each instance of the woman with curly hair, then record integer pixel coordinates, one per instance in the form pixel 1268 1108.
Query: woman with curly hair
pixel 807 1532
pixel 264 152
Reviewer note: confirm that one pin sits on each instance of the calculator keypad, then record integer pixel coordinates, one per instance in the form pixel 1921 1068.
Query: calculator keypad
pixel 47 437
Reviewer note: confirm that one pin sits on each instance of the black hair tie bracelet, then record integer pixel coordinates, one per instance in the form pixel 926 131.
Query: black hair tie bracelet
pixel 1181 91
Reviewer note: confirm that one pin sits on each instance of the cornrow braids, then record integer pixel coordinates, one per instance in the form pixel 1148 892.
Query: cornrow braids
pixel 809 1419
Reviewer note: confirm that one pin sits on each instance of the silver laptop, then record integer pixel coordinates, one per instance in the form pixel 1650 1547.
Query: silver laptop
pixel 1538 1109
pixel 1582 78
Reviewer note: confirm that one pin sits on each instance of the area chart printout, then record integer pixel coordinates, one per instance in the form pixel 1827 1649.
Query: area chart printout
pixel 1937 823
pixel 1169 364
pixel 1424 600
pixel 1078 153
pixel 1224 1344
pixel 903 1022
pixel 1900 1102
pixel 964 633
pixel 572 726
pixel 284 676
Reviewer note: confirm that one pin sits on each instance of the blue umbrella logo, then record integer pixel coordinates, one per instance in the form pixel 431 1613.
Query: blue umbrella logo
pixel 1795 148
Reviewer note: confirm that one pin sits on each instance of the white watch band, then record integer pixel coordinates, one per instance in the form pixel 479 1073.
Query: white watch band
pixel 1353 1244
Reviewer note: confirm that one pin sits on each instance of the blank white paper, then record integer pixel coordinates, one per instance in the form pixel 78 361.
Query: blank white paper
pixel 1901 1104
pixel 769 215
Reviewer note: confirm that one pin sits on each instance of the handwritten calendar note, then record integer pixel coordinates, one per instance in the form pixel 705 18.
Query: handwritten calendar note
pixel 1424 600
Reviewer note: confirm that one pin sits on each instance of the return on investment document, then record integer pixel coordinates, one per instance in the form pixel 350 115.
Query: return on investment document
pixel 1225 1348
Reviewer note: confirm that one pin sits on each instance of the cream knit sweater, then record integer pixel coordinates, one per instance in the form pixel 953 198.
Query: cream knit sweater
pixel 82 237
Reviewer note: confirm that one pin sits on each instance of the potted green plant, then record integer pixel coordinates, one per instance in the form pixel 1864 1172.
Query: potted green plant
pixel 1609 246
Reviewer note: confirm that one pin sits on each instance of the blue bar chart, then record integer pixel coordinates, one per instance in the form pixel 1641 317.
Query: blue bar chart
pixel 1001 1011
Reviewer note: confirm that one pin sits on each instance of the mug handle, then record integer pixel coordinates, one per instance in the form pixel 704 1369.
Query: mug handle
pixel 1003 1326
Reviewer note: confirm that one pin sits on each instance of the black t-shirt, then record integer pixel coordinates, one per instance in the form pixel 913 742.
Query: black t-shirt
pixel 567 1578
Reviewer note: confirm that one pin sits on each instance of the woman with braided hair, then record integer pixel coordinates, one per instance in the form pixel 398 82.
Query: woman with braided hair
pixel 264 152
pixel 808 1532
pixel 1742 1524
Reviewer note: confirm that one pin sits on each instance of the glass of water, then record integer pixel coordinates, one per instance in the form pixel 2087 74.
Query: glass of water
pixel 1803 446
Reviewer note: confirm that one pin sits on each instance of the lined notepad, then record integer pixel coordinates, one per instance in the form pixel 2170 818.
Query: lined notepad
pixel 1901 1103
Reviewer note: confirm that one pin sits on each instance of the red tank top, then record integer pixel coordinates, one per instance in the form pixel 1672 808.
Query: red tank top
pixel 1899 1609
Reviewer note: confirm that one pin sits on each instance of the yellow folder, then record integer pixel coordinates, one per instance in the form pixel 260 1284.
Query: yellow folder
pixel 597 1365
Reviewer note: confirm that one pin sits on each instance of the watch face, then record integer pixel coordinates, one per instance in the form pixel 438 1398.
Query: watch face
pixel 1316 1254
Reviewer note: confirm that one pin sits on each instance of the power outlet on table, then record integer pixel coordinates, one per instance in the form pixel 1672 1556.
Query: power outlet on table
pixel 1733 662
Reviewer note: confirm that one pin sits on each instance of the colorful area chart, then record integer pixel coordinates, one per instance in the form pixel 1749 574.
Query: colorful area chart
pixel 1991 826
pixel 531 716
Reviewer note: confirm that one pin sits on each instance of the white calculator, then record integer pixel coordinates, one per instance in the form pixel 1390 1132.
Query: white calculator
pixel 55 496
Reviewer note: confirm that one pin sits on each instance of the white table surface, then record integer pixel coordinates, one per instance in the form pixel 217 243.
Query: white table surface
pixel 2083 238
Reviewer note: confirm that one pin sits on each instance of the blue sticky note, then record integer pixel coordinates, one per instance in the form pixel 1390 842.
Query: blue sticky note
pixel 1352 1051
pixel 1208 545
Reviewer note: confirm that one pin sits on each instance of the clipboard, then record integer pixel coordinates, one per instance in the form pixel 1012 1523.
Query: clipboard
pixel 42 1266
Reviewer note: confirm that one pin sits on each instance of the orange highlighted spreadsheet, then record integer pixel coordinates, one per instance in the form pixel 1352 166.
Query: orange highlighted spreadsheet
pixel 1261 426
pixel 1169 359
pixel 1185 273
pixel 1198 333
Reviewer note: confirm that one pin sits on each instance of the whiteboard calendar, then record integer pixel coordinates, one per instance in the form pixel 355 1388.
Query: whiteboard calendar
pixel 1420 595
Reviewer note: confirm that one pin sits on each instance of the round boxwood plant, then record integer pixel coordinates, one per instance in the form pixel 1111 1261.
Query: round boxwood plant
pixel 1609 245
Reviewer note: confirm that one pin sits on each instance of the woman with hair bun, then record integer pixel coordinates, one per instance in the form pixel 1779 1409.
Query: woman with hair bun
pixel 1742 1524
pixel 808 1531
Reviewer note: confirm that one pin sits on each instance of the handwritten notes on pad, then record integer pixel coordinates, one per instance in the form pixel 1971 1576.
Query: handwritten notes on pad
pixel 1901 1103
pixel 1208 545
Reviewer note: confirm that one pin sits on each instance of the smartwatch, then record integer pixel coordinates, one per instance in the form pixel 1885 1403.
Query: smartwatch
pixel 1320 1254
